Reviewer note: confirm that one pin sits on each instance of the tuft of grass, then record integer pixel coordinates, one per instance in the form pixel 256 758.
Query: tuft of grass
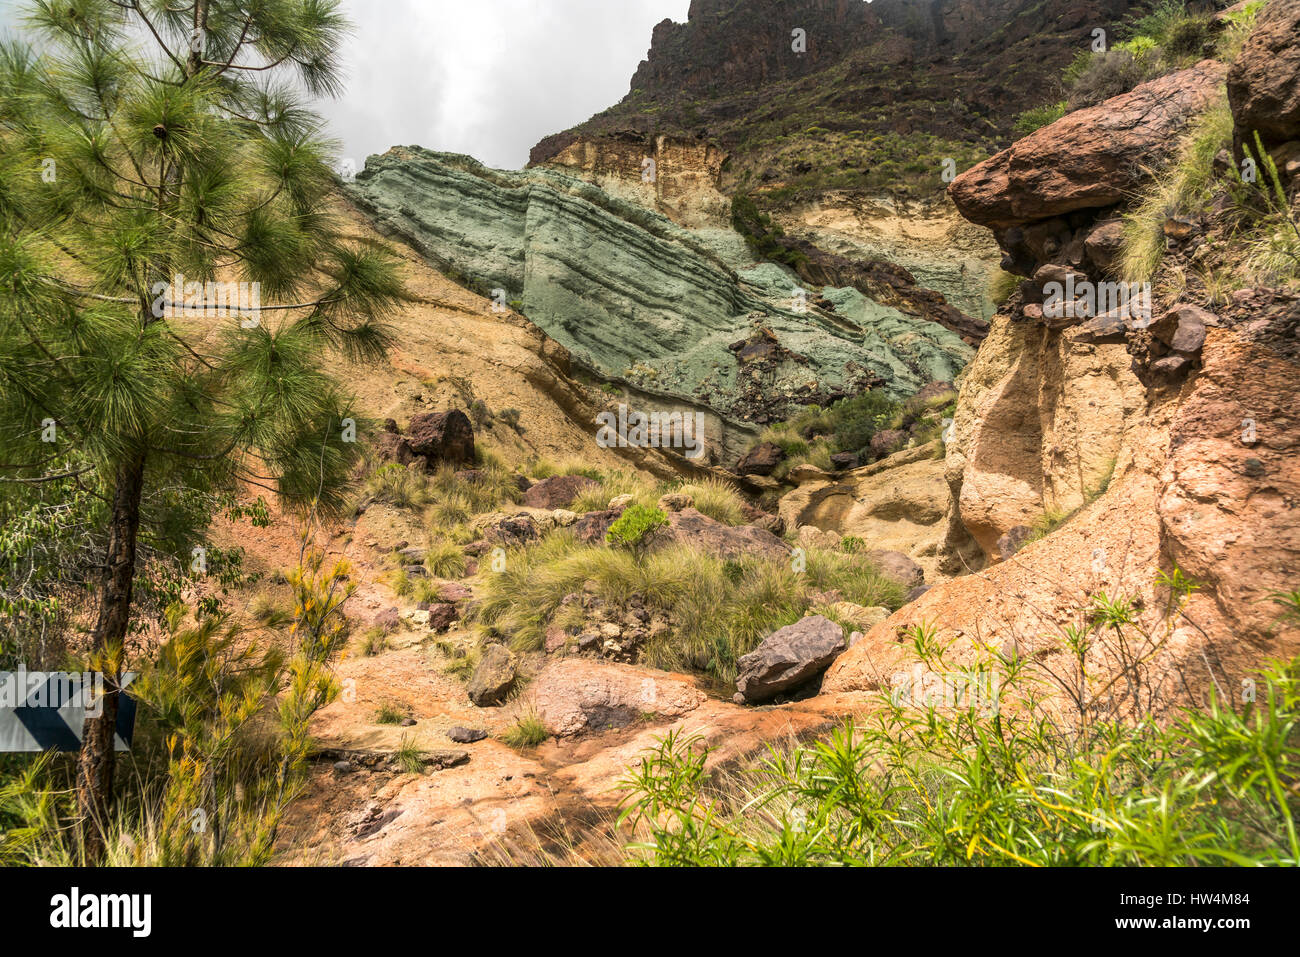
pixel 717 499
pixel 373 641
pixel 718 609
pixel 527 732
pixel 1001 285
pixel 389 713
pixel 1181 188
pixel 409 757
pixel 445 560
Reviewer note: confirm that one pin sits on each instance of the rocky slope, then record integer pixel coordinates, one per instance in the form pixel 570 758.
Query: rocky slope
pixel 874 98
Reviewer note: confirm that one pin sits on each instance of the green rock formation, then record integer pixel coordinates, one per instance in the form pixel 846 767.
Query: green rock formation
pixel 640 299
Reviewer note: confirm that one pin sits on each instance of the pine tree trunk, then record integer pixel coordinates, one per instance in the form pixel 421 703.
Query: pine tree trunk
pixel 95 769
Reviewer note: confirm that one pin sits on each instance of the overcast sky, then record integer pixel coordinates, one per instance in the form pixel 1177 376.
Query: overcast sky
pixel 484 77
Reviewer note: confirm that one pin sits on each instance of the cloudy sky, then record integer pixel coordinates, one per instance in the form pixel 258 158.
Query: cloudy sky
pixel 484 77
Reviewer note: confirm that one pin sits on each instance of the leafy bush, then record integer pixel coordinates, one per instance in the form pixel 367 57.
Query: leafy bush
pixel 635 526
pixel 1104 75
pixel 1039 116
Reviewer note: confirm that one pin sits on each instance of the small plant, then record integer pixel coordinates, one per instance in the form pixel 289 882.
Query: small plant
pixel 510 417
pixel 373 641
pixel 389 713
pixel 1038 117
pixel 409 757
pixel 445 560
pixel 527 732
pixel 635 527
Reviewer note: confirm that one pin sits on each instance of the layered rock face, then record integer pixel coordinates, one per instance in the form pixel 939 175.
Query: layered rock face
pixel 642 300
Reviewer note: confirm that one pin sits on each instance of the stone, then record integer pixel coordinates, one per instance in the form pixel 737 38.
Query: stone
pixel 812 537
pixel 466 735
pixel 513 531
pixel 621 501
pixel 442 616
pixel 914 593
pixel 493 678
pixel 844 461
pixel 573 695
pixel 897 567
pixel 1104 243
pixel 788 658
pixel 1013 540
pixel 675 501
pixel 1183 328
pixel 803 474
pixel 1110 148
pixel 762 459
pixel 563 518
pixel 442 437
pixel 590 528
pixel 343 767
pixel 454 592
pixel 558 491
pixel 887 441
pixel 1170 367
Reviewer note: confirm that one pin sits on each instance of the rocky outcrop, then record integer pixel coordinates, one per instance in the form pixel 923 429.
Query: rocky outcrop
pixel 690 527
pixel 607 279
pixel 1090 158
pixel 787 658
pixel 573 695
pixel 1041 195
pixel 897 504
pixel 1264 82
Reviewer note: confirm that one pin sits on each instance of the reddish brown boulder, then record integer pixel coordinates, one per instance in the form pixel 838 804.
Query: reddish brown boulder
pixel 1264 82
pixel 762 459
pixel 559 491
pixel 1089 158
pixel 442 437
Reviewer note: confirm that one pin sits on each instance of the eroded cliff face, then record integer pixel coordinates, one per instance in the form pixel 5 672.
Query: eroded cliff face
pixel 1108 452
pixel 676 177
pixel 644 301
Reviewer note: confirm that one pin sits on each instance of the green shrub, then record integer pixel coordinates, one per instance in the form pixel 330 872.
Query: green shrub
pixel 635 526
pixel 1038 117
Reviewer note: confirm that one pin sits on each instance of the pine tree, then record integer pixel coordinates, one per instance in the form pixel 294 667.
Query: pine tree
pixel 142 141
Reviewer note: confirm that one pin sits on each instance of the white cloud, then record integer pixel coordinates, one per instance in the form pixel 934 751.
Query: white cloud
pixel 485 77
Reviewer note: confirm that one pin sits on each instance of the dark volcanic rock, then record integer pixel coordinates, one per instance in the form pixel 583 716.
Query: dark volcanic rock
pixel 762 459
pixel 442 437
pixel 558 491
pixel 1264 81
